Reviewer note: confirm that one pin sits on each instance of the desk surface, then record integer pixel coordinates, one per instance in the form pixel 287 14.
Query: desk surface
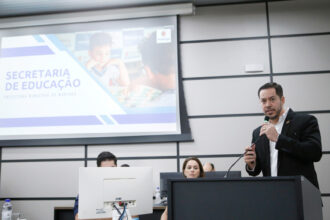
pixel 66 213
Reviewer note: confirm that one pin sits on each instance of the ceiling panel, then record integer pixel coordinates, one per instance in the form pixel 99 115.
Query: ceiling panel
pixel 11 8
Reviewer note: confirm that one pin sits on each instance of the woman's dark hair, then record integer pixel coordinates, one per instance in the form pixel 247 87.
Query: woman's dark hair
pixel 201 170
pixel 104 156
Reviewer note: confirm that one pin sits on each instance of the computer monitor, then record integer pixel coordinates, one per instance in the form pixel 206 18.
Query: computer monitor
pixel 219 174
pixel 165 176
pixel 102 187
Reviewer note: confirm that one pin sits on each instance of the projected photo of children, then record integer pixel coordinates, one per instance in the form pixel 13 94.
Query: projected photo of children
pixel 140 70
pixel 110 71
pixel 158 59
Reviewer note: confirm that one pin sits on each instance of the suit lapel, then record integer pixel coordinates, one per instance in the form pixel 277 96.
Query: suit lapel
pixel 285 129
pixel 265 142
pixel 287 122
pixel 263 147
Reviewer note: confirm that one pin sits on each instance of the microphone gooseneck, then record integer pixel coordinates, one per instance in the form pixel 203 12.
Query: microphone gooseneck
pixel 266 119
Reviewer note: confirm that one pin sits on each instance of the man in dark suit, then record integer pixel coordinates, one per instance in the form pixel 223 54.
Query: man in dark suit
pixel 288 144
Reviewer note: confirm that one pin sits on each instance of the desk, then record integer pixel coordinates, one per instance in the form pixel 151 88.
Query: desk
pixel 66 213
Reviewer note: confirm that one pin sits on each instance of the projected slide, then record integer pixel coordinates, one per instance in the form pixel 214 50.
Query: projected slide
pixel 109 80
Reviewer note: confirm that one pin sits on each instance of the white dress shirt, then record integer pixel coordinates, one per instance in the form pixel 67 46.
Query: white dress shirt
pixel 273 151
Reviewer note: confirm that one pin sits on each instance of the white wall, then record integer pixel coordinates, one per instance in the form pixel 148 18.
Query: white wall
pixel 212 103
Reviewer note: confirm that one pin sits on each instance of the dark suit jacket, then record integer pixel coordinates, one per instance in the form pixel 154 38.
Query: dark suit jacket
pixel 298 145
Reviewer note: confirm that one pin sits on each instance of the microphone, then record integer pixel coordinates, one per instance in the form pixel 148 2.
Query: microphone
pixel 266 120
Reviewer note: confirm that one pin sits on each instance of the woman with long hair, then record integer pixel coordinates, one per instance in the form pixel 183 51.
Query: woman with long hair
pixel 192 168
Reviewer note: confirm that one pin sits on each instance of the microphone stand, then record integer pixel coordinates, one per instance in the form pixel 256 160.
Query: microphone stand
pixel 266 119
pixel 226 175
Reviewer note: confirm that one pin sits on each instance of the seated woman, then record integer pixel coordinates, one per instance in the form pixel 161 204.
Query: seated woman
pixel 192 168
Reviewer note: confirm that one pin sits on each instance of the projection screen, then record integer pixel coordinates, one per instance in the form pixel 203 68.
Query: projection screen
pixel 91 83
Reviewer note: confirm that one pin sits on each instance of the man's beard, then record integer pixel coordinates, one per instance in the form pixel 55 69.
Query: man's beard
pixel 277 115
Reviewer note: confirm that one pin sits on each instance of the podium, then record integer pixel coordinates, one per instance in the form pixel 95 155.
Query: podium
pixel 251 198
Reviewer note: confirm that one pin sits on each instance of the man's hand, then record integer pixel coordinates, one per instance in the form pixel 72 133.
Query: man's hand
pixel 250 156
pixel 270 131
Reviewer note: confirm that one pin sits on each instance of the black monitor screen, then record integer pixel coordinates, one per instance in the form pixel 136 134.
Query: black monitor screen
pixel 219 174
pixel 164 177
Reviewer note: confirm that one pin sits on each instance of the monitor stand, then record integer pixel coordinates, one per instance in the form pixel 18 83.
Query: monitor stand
pixel 116 215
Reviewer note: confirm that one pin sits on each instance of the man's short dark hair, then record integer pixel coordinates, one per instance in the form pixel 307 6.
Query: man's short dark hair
pixel 277 87
pixel 104 156
pixel 124 165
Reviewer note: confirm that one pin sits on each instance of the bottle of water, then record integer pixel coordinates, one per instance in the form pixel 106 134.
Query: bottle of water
pixel 157 196
pixel 7 210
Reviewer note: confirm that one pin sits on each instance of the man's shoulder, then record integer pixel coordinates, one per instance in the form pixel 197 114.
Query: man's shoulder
pixel 302 116
pixel 301 119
